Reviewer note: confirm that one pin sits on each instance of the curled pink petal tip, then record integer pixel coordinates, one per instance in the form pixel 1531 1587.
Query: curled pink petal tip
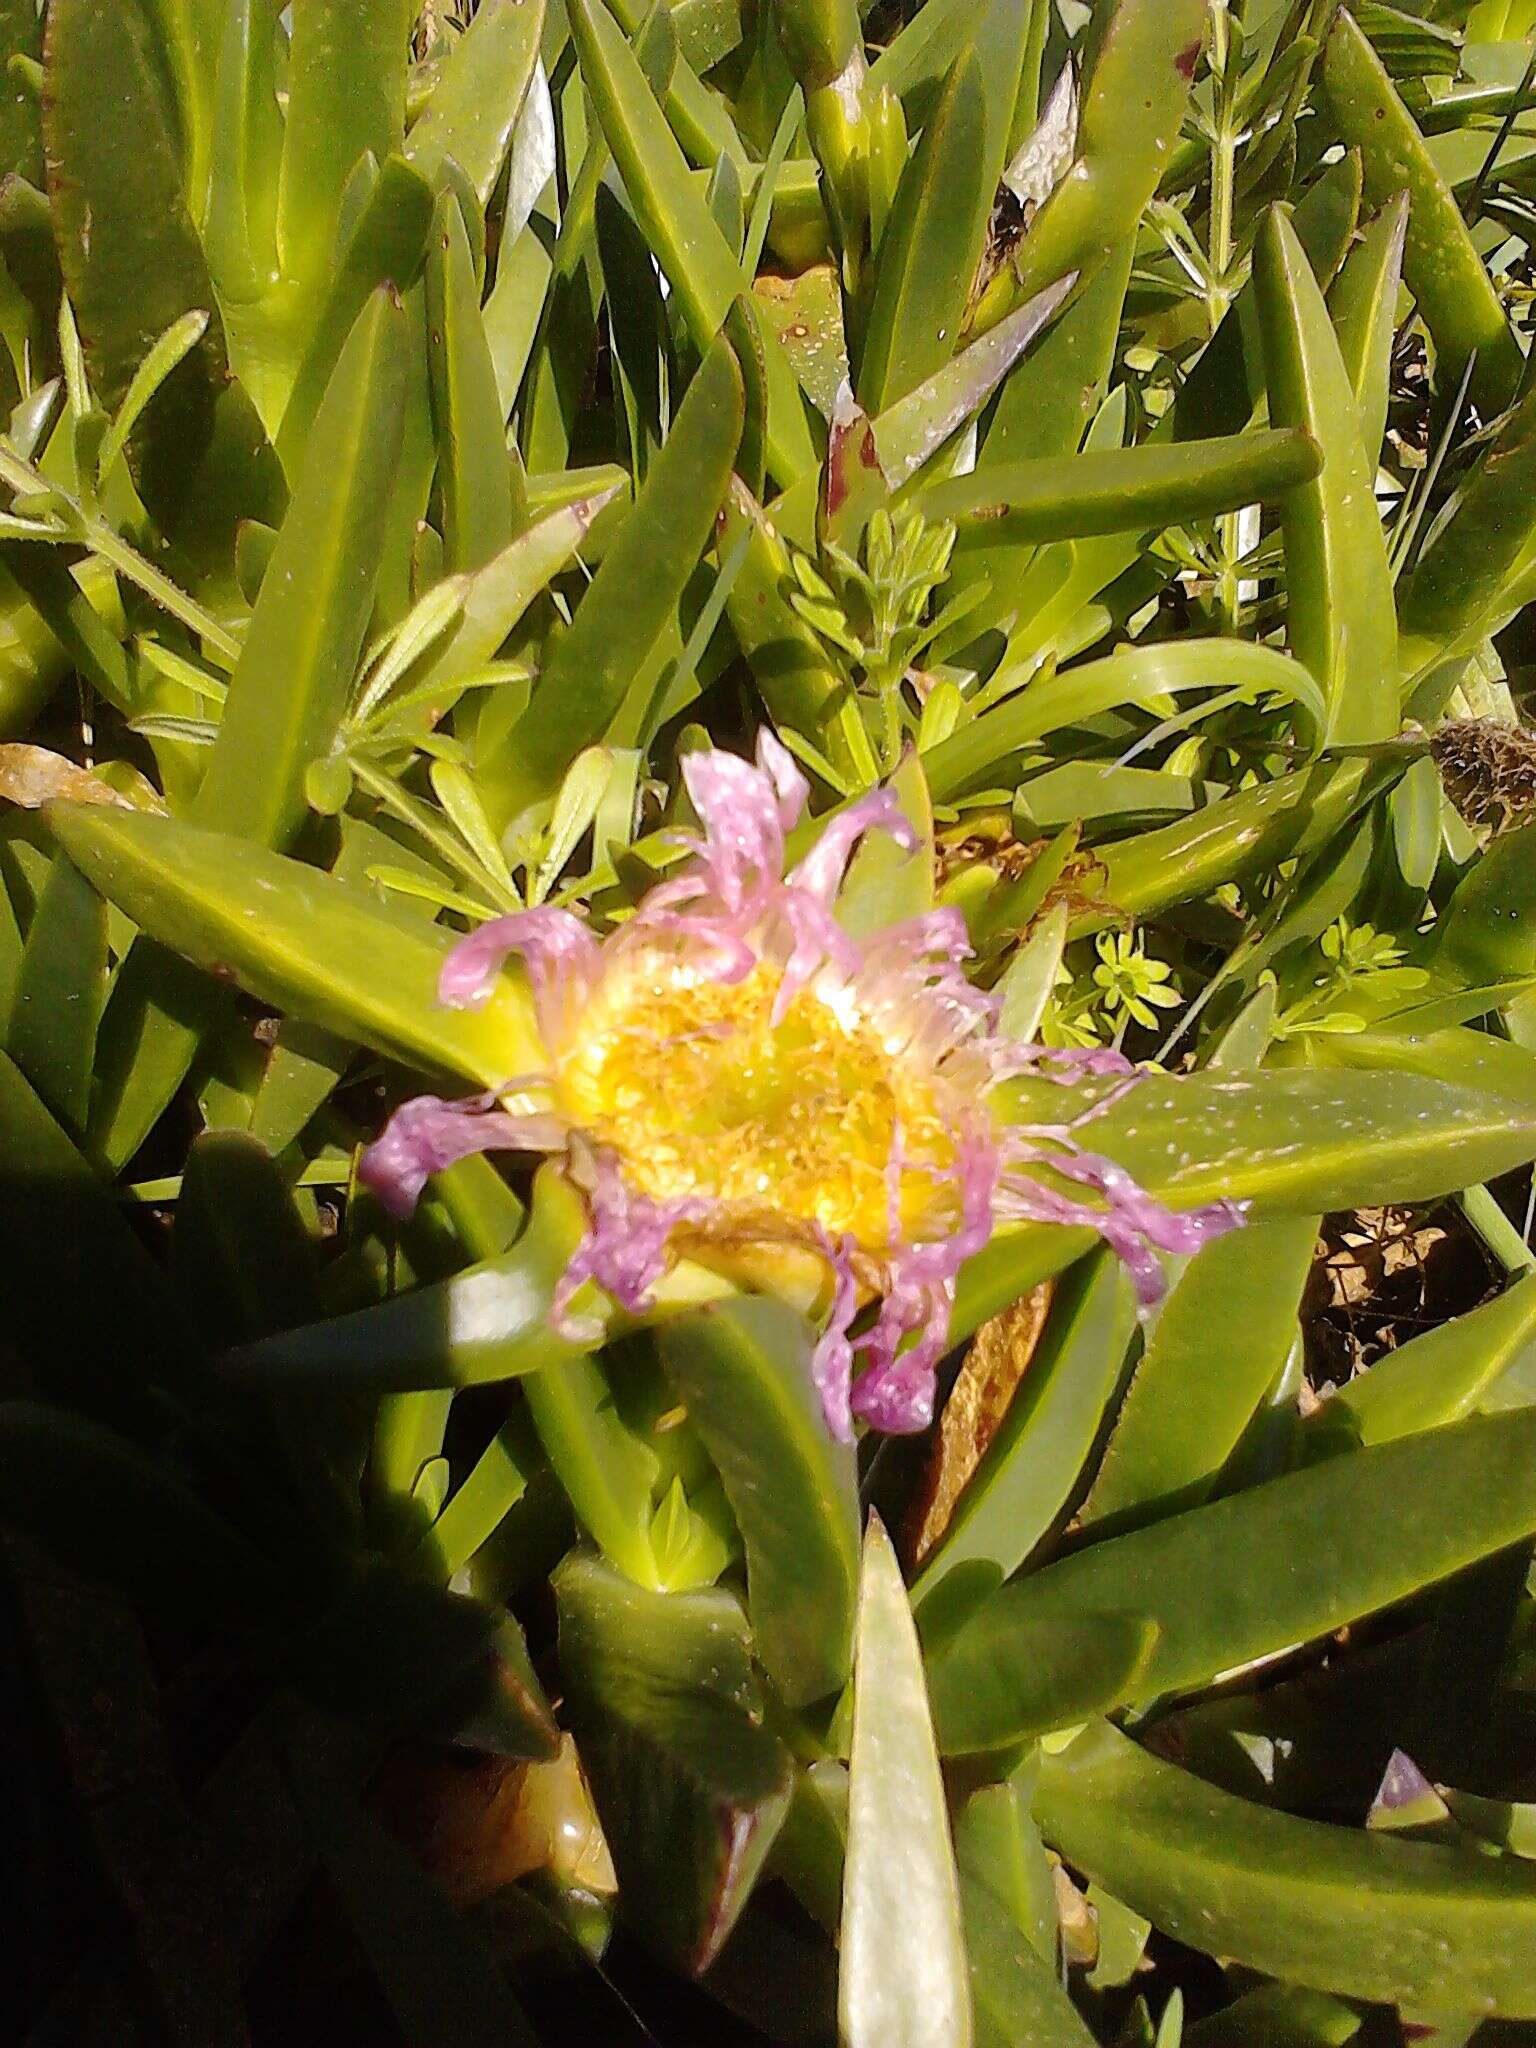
pixel 554 944
pixel 427 1134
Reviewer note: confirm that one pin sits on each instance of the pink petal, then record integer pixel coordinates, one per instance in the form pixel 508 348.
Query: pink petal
pixel 790 787
pixel 1012 1058
pixel 1132 1222
pixel 898 1398
pixel 820 875
pixel 742 852
pixel 915 970
pixel 897 1393
pixel 626 1248
pixel 715 947
pixel 817 940
pixel 832 1361
pixel 426 1134
pixel 556 946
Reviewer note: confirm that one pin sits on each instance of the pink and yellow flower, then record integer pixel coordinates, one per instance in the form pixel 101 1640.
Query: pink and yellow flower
pixel 730 1073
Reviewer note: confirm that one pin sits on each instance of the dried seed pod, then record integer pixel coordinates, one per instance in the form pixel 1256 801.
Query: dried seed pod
pixel 1488 769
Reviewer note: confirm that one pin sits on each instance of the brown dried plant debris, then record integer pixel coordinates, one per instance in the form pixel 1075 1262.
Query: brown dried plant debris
pixel 477 1823
pixel 1381 1277
pixel 1007 225
pixel 990 843
pixel 994 1367
pixel 33 776
pixel 986 842
pixel 1488 769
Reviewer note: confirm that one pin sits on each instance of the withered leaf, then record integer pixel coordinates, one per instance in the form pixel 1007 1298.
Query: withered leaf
pixel 994 1366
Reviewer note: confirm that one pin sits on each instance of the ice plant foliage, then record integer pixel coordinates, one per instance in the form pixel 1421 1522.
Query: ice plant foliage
pixel 730 1071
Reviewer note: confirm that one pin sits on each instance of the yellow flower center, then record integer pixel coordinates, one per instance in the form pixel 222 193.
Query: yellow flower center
pixel 701 1093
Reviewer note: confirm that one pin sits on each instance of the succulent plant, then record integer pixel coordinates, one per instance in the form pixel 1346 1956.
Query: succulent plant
pixel 747 746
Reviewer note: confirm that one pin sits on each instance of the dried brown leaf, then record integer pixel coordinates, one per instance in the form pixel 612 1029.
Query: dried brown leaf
pixel 994 1367
pixel 33 776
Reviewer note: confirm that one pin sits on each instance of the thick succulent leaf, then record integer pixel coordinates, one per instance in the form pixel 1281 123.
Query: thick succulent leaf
pixel 1466 582
pixel 1408 1136
pixel 61 985
pixel 1253 830
pixel 1342 623
pixel 440 1979
pixel 1133 107
pixel 635 592
pixel 32 661
pixel 286 697
pixel 793 670
pixel 1435 1378
pixel 385 247
pixel 690 1786
pixel 998 1848
pixel 1227 383
pixel 294 675
pixel 474 478
pixel 1048 401
pixel 1441 263
pixel 298 939
pixel 1016 1994
pixel 566 324
pixel 743 1370
pixel 885 883
pixel 346 102
pixel 239 219
pixel 696 28
pixel 110 1511
pixel 159 1010
pixel 903 1981
pixel 1221 1339
pixel 496 597
pixel 130 253
pixel 1278 2016
pixel 489 1322
pixel 133 266
pixel 1363 307
pixel 930 247
pixel 664 1529
pixel 676 222
pixel 1242 1579
pixel 1045 407
pixel 21 150
pixel 1344 1910
pixel 1487 933
pixel 475 108
pixel 644 1494
pixel 916 428
pixel 494 1485
pixel 241 1256
pixel 1116 490
pixel 1141 676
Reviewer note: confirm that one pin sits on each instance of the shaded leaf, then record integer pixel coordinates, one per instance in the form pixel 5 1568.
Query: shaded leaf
pixel 667 1714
